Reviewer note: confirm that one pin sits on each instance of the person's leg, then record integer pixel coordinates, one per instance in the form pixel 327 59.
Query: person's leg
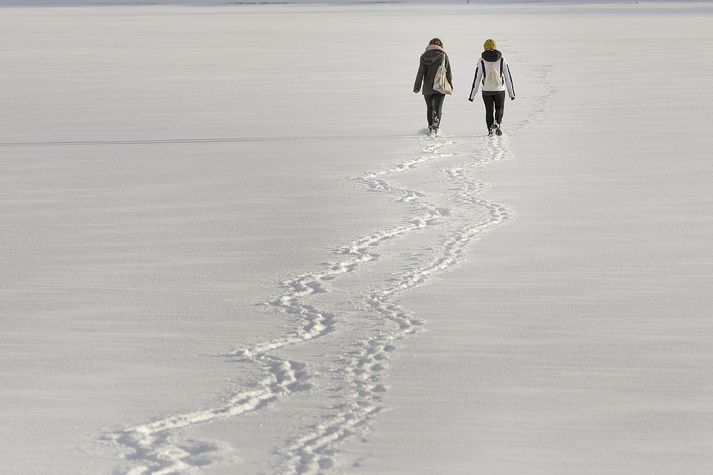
pixel 437 108
pixel 499 101
pixel 489 109
pixel 429 108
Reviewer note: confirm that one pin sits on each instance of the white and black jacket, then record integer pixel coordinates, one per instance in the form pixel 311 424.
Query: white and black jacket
pixel 490 58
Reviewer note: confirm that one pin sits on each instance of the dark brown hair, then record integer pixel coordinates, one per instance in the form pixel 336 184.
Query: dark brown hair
pixel 436 41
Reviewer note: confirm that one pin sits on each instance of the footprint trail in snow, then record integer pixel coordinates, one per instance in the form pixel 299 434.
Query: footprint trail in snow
pixel 155 448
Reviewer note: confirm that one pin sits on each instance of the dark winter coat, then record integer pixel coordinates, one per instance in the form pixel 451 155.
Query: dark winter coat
pixel 429 64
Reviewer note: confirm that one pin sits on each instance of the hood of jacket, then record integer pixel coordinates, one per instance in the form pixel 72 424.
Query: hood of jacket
pixel 432 55
pixel 491 55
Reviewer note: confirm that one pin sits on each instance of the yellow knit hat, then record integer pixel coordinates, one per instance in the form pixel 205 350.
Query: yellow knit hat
pixel 489 44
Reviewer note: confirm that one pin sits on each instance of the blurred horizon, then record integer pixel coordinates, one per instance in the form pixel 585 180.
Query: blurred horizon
pixel 16 3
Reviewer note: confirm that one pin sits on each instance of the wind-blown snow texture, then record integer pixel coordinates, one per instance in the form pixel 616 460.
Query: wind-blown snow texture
pixel 216 259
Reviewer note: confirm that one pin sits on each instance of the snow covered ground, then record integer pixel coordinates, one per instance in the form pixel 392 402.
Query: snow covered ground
pixel 226 247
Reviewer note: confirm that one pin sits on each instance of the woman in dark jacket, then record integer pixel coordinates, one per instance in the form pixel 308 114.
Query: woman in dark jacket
pixel 431 60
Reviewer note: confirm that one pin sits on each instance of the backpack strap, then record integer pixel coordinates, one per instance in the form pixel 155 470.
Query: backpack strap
pixel 482 66
pixel 501 68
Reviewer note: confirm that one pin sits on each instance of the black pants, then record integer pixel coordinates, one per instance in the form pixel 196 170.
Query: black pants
pixel 434 104
pixel 494 107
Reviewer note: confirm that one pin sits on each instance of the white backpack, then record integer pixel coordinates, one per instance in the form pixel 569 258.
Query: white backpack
pixel 492 78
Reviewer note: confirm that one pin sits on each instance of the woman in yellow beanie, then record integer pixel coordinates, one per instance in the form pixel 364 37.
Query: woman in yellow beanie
pixel 493 74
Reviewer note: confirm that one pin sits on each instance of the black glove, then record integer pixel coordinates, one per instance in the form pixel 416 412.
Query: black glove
pixel 471 100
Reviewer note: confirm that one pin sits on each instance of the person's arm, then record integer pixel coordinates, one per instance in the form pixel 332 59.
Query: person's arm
pixel 449 73
pixel 419 77
pixel 508 80
pixel 476 81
